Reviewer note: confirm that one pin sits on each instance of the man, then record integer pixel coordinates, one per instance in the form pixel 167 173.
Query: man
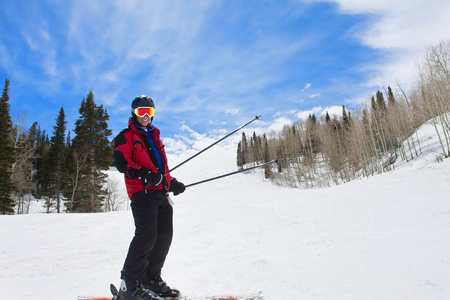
pixel 139 154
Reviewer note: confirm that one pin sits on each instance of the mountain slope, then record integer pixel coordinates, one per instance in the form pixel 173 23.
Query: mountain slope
pixel 386 237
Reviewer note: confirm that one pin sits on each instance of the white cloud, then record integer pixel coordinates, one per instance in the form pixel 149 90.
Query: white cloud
pixel 332 111
pixel 304 115
pixel 406 24
pixel 307 86
pixel 189 142
pixel 278 124
pixel 314 95
pixel 232 111
pixel 404 27
pixel 285 113
pixel 320 112
pixel 193 134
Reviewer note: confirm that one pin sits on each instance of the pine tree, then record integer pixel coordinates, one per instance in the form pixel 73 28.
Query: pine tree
pixel 257 148
pixel 380 100
pixel 345 132
pixel 391 99
pixel 91 141
pixel 239 156
pixel 41 176
pixel 244 149
pixel 267 169
pixel 381 120
pixel 312 140
pixel 33 135
pixel 46 173
pixel 57 145
pixel 6 154
pixel 345 118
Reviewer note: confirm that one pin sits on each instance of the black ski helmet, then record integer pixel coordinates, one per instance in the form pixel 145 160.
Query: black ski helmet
pixel 141 101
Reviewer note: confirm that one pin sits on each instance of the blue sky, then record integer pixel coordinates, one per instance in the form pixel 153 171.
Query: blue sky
pixel 210 65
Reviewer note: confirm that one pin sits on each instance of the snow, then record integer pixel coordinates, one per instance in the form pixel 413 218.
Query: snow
pixel 385 237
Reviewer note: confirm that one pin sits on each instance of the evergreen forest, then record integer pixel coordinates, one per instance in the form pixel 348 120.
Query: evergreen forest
pixel 67 174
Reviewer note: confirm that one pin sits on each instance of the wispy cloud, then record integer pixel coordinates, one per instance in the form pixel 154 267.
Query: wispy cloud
pixel 307 86
pixel 211 64
pixel 404 29
pixel 169 59
pixel 233 112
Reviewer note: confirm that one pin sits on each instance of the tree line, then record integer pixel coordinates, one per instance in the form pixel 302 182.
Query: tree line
pixel 363 142
pixel 67 173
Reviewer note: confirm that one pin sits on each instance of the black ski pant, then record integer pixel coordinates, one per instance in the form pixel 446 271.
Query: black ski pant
pixel 152 215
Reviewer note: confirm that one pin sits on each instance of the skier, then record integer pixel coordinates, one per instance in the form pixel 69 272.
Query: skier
pixel 139 154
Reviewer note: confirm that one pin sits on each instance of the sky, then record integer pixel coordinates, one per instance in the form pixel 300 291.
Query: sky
pixel 210 66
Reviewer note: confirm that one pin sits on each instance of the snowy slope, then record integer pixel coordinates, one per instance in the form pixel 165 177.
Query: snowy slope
pixel 386 237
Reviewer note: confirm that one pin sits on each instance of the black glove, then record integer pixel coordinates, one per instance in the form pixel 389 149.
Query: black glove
pixel 176 187
pixel 148 178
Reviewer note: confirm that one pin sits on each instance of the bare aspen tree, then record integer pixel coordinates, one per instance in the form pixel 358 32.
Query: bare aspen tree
pixel 437 61
pixel 434 83
pixel 404 113
pixel 79 161
pixel 113 198
pixel 21 171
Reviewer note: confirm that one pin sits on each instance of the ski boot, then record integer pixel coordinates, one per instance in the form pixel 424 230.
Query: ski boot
pixel 159 287
pixel 133 292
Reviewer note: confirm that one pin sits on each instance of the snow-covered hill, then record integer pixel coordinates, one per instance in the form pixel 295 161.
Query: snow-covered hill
pixel 386 237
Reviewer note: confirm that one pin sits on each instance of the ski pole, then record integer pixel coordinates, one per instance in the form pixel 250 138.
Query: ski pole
pixel 235 172
pixel 179 165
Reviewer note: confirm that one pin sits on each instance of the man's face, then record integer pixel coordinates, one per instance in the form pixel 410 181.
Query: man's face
pixel 143 121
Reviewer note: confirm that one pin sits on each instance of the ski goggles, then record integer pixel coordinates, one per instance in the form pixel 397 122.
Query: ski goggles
pixel 142 111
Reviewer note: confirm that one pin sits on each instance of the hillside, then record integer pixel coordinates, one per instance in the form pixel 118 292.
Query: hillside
pixel 386 237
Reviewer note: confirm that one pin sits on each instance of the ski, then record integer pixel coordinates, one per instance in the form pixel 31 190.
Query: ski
pixel 255 296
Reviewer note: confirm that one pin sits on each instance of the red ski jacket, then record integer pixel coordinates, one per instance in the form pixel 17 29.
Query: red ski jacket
pixel 133 151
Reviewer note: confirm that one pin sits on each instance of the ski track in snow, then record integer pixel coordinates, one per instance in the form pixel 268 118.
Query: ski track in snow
pixel 385 237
